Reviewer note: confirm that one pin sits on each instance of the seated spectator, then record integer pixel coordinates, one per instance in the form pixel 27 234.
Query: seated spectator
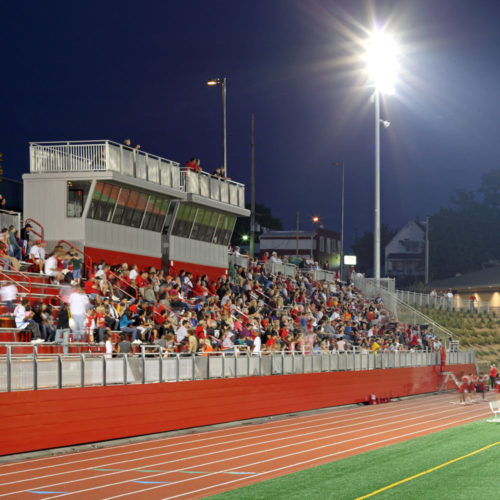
pixel 24 320
pixel 125 326
pixel 48 326
pixel 51 268
pixel 37 255
pixel 92 288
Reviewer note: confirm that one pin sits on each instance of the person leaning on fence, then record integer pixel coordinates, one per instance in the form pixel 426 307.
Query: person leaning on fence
pixel 128 145
pixel 23 317
pixel 14 247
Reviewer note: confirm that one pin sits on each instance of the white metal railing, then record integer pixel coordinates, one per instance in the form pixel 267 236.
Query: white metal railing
pixel 442 302
pixel 82 370
pixel 238 260
pixel 404 312
pixel 285 269
pixel 319 274
pixel 204 184
pixel 9 218
pixel 104 155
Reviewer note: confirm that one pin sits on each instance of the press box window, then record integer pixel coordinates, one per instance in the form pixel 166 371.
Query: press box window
pixel 77 196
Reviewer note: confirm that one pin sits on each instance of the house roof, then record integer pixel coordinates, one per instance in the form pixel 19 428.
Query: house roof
pixel 485 278
pixel 287 234
pixel 405 256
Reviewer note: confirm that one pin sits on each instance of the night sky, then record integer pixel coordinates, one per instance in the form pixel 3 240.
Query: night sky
pixel 116 69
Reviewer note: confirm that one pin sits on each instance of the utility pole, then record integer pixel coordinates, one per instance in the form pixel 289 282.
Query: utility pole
pixel 427 218
pixel 297 236
pixel 252 200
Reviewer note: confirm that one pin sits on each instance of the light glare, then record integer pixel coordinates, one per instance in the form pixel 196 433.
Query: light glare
pixel 381 60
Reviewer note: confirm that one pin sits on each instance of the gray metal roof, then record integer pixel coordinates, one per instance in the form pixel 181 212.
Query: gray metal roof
pixel 485 278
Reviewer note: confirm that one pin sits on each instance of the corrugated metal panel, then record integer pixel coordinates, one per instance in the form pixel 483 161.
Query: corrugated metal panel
pixel 122 238
pixel 197 252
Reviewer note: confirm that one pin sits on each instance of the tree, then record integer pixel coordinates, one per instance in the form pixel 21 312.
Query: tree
pixel 363 247
pixel 263 219
pixel 463 236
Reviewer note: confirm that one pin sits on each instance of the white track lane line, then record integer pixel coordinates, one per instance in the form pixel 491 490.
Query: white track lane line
pixel 269 426
pixel 330 455
pixel 381 417
pixel 259 452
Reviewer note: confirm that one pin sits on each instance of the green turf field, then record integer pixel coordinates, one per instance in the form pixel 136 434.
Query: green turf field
pixel 473 477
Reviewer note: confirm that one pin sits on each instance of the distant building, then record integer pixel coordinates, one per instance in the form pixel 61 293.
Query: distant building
pixel 323 245
pixel 484 285
pixel 405 253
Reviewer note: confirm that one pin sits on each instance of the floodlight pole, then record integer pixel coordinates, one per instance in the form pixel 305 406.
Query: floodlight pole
pixel 252 200
pixel 341 164
pixel 224 123
pixel 376 229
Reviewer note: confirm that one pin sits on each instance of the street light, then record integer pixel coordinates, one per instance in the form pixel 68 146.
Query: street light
pixel 341 164
pixel 222 82
pixel 381 59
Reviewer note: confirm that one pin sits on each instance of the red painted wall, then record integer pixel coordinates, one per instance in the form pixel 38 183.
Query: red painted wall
pixel 213 273
pixel 114 257
pixel 35 420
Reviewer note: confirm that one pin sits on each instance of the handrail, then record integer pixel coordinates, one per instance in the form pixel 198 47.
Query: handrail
pixel 28 220
pixel 171 311
pixel 16 282
pixel 87 265
pixel 128 284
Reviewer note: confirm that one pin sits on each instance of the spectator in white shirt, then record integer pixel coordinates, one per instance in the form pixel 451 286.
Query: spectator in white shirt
pixel 50 268
pixel 181 332
pixel 78 306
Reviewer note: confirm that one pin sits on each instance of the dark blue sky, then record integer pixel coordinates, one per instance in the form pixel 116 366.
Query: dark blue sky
pixel 116 69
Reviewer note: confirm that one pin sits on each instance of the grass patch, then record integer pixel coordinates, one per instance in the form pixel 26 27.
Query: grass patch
pixel 471 477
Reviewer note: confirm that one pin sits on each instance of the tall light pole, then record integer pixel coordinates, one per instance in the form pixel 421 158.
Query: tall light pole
pixel 382 66
pixel 252 198
pixel 341 164
pixel 222 82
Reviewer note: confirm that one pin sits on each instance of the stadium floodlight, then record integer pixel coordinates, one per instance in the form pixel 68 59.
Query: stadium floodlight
pixel 382 61
pixel 382 65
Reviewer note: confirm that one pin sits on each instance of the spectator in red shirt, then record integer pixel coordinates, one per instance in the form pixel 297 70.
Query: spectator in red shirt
pixel 92 289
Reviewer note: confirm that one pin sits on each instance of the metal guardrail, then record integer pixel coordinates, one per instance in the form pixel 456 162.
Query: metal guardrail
pixel 238 260
pixel 9 218
pixel 204 184
pixel 403 311
pixel 291 270
pixel 84 370
pixel 104 155
pixel 442 302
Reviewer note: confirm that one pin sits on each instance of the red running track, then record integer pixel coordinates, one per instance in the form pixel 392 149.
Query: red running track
pixel 205 463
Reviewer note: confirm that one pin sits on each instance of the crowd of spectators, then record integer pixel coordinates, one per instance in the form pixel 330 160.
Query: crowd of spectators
pixel 250 310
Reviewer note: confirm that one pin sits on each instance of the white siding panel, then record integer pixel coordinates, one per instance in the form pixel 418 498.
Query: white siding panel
pixel 122 238
pixel 285 244
pixel 52 216
pixel 197 252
